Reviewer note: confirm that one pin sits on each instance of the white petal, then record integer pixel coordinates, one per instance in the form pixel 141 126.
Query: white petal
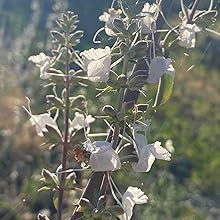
pixel 150 8
pixel 132 196
pixel 159 152
pixel 148 25
pixel 105 17
pixel 145 162
pixel 97 63
pixel 128 206
pixel 80 121
pixel 158 66
pixel 108 18
pixel 141 141
pixel 104 158
pixel 39 59
pixel 44 70
pixel 40 122
pixel 42 61
pixel 187 36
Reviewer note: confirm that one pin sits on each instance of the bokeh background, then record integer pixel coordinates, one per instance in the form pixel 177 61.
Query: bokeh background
pixel 188 187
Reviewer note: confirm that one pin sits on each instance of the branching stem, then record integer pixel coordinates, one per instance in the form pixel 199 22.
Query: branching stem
pixel 65 135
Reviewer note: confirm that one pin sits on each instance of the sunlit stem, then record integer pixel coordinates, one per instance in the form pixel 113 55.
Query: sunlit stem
pixel 112 190
pixel 65 135
pixel 194 8
pixel 211 5
pixel 96 35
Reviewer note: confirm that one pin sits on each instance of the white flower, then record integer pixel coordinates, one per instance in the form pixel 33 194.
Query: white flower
pixel 97 63
pixel 132 196
pixel 149 16
pixel 108 18
pixel 159 66
pixel 40 122
pixel 43 62
pixel 150 9
pixel 147 153
pixel 187 35
pixel 103 157
pixel 80 121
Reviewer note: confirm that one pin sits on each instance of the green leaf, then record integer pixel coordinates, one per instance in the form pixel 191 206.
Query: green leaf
pixel 138 51
pixel 123 48
pixel 164 90
pixel 55 200
pixel 52 135
pixel 119 25
pixel 49 178
pixel 75 37
pixel 206 19
pixel 59 37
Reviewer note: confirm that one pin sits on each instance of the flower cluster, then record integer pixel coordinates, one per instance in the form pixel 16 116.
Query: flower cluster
pixel 117 68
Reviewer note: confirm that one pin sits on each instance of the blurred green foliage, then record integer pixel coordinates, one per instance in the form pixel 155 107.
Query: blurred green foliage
pixel 188 187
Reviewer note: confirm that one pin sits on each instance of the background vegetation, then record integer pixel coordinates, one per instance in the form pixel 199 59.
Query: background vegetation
pixel 186 188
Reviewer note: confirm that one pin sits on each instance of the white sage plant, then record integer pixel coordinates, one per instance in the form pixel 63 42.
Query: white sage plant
pixel 134 59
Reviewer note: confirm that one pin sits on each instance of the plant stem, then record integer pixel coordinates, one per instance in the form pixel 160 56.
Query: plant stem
pixel 65 136
pixel 193 10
